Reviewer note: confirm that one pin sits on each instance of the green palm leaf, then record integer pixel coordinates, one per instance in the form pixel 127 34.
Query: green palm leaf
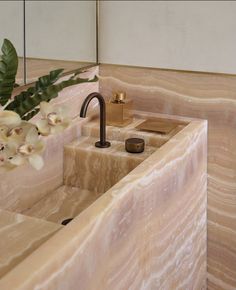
pixel 27 108
pixel 41 85
pixel 8 70
pixel 26 104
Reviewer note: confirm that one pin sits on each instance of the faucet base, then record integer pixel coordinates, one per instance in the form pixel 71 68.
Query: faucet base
pixel 102 145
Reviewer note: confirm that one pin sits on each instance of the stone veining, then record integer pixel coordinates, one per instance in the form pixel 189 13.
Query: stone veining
pixel 199 95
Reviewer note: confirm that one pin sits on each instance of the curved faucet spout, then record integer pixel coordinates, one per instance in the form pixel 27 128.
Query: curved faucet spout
pixel 102 143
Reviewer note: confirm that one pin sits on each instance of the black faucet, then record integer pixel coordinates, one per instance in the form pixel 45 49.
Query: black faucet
pixel 102 143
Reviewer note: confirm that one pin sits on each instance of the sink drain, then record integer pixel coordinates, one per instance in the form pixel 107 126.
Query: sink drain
pixel 65 222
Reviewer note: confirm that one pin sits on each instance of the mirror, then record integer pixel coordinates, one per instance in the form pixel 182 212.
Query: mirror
pixel 59 34
pixel 49 35
pixel 180 35
pixel 11 23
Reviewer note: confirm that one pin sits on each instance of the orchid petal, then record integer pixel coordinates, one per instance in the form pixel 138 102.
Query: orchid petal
pixel 54 120
pixel 4 129
pixel 45 109
pixel 39 146
pixel 9 118
pixel 36 161
pixel 17 160
pixel 12 145
pixel 43 127
pixel 26 126
pixel 32 136
pixel 3 138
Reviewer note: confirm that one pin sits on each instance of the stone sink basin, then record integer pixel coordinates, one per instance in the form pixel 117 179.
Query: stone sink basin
pixel 138 220
pixel 89 171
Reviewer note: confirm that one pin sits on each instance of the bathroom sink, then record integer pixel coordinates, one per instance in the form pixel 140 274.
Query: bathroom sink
pixel 20 236
pixel 95 169
pixel 130 212
pixel 88 173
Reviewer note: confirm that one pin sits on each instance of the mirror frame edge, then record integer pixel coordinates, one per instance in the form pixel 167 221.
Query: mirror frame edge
pixel 82 69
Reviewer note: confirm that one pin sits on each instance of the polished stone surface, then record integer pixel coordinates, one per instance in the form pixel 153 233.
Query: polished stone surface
pixel 90 171
pixel 24 186
pixel 96 169
pixel 206 96
pixel 148 231
pixel 153 139
pixel 19 237
pixel 63 203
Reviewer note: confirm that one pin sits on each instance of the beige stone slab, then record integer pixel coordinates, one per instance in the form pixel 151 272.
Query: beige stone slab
pixel 19 237
pixel 63 203
pixel 146 232
pixel 154 139
pixel 24 186
pixel 96 169
pixel 196 95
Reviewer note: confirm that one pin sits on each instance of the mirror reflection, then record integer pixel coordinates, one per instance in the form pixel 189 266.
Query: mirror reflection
pixel 59 34
pixel 11 23
pixel 49 35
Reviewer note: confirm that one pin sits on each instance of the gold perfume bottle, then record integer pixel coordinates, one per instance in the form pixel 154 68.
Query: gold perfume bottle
pixel 119 110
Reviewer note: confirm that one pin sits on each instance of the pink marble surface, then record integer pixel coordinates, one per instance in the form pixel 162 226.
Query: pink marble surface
pixel 20 188
pixel 146 232
pixel 200 95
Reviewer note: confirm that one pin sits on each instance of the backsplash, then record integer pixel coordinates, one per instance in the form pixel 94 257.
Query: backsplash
pixel 21 187
pixel 199 95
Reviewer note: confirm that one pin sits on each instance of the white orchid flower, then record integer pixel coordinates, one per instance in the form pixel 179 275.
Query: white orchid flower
pixel 9 119
pixel 54 120
pixel 3 138
pixel 11 124
pixel 5 158
pixel 19 142
pixel 12 127
pixel 28 151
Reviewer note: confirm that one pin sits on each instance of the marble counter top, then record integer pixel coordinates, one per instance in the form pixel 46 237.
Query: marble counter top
pixel 19 236
pixel 144 230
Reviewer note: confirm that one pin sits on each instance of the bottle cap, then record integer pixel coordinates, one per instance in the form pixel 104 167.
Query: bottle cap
pixel 119 97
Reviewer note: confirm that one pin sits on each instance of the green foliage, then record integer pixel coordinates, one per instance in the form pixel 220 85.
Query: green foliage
pixel 31 114
pixel 26 104
pixel 8 70
pixel 41 85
